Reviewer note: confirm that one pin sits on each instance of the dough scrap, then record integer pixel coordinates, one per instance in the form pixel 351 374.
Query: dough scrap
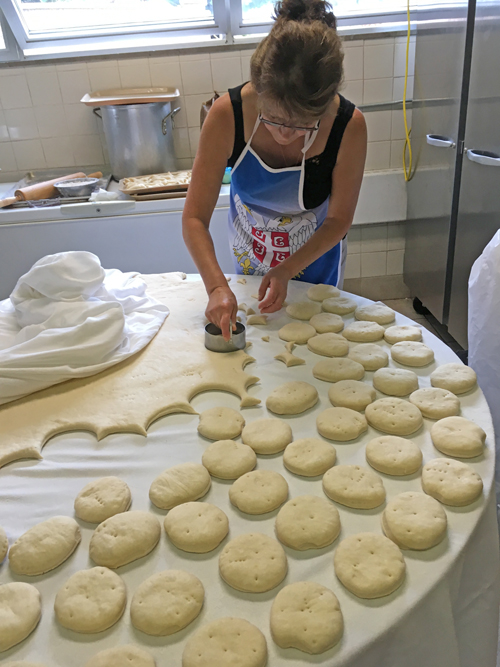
pixel 227 459
pixel 91 601
pixel 414 521
pixel 259 492
pixel 456 378
pixel 395 381
pixel 288 358
pixel 123 538
pixel 337 369
pixel 45 546
pixel 341 424
pixel 166 602
pixel 102 498
pixel 451 482
pixel 370 356
pixel 179 484
pixel 4 544
pixel 321 292
pixel 400 332
pixel 412 353
pixel 328 345
pixel 394 416
pixel 351 394
pixel 253 563
pixel 306 616
pixel 196 527
pixel 457 436
pixel 267 436
pixel 364 332
pixel 243 307
pixel 375 312
pixel 257 320
pixel 303 310
pixel 435 403
pixel 309 457
pixel 307 522
pixel 129 655
pixel 339 305
pixel 250 311
pixel 297 332
pixel 20 611
pixel 242 281
pixel 292 398
pixel 265 339
pixel 327 323
pixel 220 423
pixel 354 486
pixel 393 455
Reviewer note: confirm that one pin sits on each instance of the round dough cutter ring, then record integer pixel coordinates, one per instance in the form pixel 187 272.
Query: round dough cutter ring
pixel 216 343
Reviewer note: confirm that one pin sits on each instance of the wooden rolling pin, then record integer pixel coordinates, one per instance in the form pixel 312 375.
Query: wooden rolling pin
pixel 44 190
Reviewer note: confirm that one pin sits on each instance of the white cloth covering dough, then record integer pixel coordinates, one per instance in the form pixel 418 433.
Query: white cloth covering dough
pixel 45 546
pixel 369 565
pixel 67 317
pixel 253 563
pixel 179 484
pixel 321 292
pixel 20 611
pixel 435 403
pixel 102 498
pixel 370 356
pixel 456 378
pixel 166 602
pixel 339 305
pixel 306 615
pixel 457 436
pixel 412 353
pixel 328 345
pixel 393 455
pixel 227 459
pixel 341 424
pixel 354 486
pixel 307 522
pixel 124 538
pixel 337 369
pixel 303 310
pixel 375 312
pixel 451 482
pixel 122 656
pixel 297 332
pixel 267 436
pixel 196 527
pixel 91 601
pixel 327 323
pixel 220 423
pixel 292 398
pixel 259 491
pixel 394 416
pixel 226 642
pixel 309 457
pixel 363 332
pixel 395 381
pixel 414 521
pixel 351 394
pixel 4 544
pixel 400 332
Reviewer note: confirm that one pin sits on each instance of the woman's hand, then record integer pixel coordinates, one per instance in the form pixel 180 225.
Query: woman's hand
pixel 221 309
pixel 275 283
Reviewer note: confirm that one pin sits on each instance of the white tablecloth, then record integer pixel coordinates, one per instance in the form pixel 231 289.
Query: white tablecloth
pixel 444 615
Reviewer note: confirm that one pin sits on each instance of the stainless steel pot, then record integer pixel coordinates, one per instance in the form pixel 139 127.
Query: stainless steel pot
pixel 139 138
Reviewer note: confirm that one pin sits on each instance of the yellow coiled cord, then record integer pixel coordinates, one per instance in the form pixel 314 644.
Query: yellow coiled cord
pixel 407 169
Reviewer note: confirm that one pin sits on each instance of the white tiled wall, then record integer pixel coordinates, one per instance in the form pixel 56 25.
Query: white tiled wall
pixel 375 250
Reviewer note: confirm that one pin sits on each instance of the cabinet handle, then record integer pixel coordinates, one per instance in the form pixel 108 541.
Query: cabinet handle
pixel 483 157
pixel 440 141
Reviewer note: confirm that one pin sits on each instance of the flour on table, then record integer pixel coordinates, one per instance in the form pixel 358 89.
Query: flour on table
pixel 354 486
pixel 253 562
pixel 196 527
pixel 102 498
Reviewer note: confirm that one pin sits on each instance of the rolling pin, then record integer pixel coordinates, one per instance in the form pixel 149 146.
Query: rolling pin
pixel 44 190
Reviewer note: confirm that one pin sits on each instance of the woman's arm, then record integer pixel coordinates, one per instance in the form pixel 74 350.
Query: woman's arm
pixel 346 183
pixel 214 150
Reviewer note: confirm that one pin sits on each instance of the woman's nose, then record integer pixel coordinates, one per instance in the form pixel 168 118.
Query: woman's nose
pixel 287 132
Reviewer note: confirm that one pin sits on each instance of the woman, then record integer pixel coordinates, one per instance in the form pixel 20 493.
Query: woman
pixel 297 149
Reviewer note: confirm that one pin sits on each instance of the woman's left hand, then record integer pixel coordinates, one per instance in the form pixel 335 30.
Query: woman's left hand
pixel 275 283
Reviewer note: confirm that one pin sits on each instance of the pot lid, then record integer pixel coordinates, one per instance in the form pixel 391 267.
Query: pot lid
pixel 114 96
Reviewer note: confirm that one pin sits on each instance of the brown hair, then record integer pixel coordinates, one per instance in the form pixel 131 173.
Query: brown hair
pixel 298 66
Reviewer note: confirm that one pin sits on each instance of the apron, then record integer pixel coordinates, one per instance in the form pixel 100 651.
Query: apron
pixel 268 221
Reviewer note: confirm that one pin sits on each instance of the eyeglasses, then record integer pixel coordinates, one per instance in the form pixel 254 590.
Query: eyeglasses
pixel 289 127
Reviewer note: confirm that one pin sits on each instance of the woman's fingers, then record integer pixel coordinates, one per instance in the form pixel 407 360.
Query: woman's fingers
pixel 264 284
pixel 274 297
pixel 224 326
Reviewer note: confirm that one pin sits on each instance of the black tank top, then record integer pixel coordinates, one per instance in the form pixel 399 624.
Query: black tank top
pixel 319 168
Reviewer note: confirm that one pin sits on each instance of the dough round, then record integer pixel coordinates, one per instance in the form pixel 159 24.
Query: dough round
pixel 412 353
pixel 259 491
pixel 129 655
pixel 303 310
pixel 227 459
pixel 179 484
pixel 220 424
pixel 328 345
pixel 394 416
pixel 395 381
pixel 335 370
pixel 364 332
pixel 327 323
pixel 339 305
pixel 414 521
pixel 451 482
pixel 307 522
pixel 321 292
pixel 20 611
pixel 292 398
pixel 369 565
pixel 124 538
pixel 166 602
pixel 267 436
pixel 91 600
pixel 101 499
pixel 253 563
pixel 45 546
pixel 435 403
pixel 457 436
pixel 370 356
pixel 196 527
pixel 4 544
pixel 354 486
pixel 341 424
pixel 306 616
pixel 351 394
pixel 226 642
pixel 457 378
pixel 297 332
pixel 375 312
pixel 309 457
pixel 393 455
pixel 401 332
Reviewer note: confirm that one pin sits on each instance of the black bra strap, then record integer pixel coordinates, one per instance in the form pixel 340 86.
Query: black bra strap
pixel 239 128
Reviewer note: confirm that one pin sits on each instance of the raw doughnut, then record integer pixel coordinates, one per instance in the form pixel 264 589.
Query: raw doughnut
pixel 267 436
pixel 253 563
pixel 393 455
pixel 457 378
pixel 307 522
pixel 339 305
pixel 375 312
pixel 129 655
pixel 351 394
pixel 292 398
pixel 321 292
pixel 309 457
pixel 394 416
pixel 303 310
pixel 220 424
pixel 435 403
pixel 179 484
pixel 412 353
pixel 328 345
pixel 259 492
pixel 297 332
pixel 363 332
pixel 228 459
pixel 414 521
pixel 101 499
pixel 401 332
pixel 370 356
pixel 20 611
pixel 341 424
pixel 327 323
pixel 334 370
pixel 395 381
pixel 451 482
pixel 354 486
pixel 457 436
pixel 196 527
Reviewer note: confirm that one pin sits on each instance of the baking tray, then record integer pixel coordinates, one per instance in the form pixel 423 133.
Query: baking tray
pixel 167 182
pixel 176 194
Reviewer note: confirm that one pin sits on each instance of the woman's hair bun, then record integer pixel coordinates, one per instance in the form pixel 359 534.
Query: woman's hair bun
pixel 305 10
